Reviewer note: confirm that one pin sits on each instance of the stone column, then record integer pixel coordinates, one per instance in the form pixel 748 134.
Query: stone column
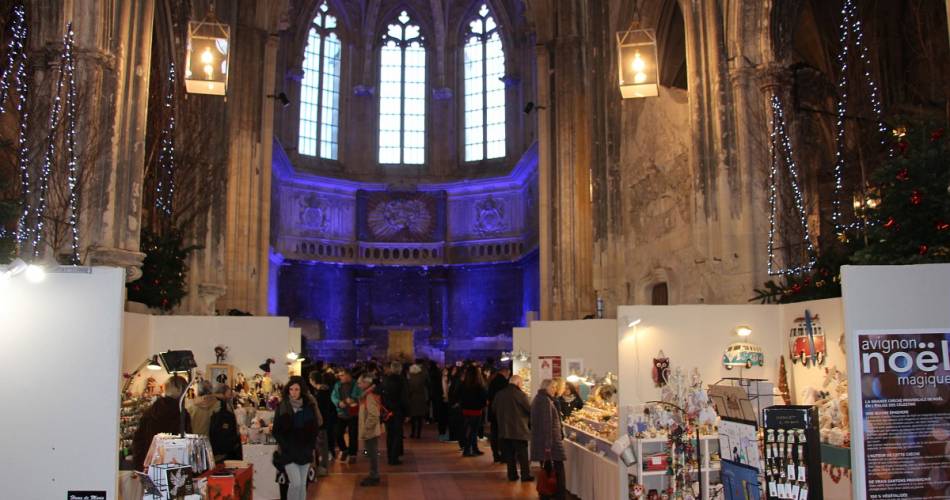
pixel 545 243
pixel 568 144
pixel 113 50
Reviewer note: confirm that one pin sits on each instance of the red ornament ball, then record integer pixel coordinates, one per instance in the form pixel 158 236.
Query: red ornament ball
pixel 890 223
pixel 922 250
pixel 915 197
pixel 936 135
pixel 902 146
pixel 903 175
pixel 942 226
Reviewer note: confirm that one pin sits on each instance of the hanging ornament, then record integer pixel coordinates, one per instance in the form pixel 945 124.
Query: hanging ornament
pixel 902 147
pixel 942 226
pixel 915 197
pixel 903 175
pixel 936 135
pixel 922 250
pixel 890 223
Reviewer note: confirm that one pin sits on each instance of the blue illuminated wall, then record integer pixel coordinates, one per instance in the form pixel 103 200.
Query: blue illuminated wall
pixel 355 302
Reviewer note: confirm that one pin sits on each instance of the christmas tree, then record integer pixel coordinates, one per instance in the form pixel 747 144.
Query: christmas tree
pixel 912 220
pixel 162 285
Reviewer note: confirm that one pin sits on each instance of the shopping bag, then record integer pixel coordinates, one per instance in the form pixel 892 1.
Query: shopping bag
pixel 546 480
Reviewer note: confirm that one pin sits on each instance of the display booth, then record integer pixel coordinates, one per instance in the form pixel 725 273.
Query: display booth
pixel 230 349
pixel 62 340
pixel 744 359
pixel 583 352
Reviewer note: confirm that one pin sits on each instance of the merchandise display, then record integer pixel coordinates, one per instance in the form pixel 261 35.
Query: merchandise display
pixel 792 453
pixel 594 426
pixel 193 449
pixel 130 414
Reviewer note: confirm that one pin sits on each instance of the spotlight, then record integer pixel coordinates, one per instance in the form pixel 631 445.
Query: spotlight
pixel 293 356
pixel 281 98
pixel 634 323
pixel 531 106
pixel 743 331
pixel 34 273
pixel 16 267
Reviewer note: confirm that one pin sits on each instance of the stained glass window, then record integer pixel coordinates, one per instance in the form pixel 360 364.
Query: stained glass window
pixel 320 89
pixel 484 89
pixel 402 94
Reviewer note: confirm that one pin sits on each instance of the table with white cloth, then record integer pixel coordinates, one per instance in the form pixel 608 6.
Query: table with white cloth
pixel 262 456
pixel 589 475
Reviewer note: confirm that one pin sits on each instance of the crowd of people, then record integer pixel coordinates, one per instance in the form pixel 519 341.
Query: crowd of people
pixel 336 413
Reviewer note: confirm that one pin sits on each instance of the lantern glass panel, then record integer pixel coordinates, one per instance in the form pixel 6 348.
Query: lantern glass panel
pixel 637 64
pixel 206 65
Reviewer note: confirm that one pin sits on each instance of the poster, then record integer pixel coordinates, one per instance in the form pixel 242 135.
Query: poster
pixel 739 442
pixel 575 366
pixel 549 367
pixel 905 412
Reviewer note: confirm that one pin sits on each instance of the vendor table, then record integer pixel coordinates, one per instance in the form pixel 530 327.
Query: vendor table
pixel 590 476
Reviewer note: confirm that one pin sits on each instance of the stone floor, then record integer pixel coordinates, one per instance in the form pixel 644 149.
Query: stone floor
pixel 430 470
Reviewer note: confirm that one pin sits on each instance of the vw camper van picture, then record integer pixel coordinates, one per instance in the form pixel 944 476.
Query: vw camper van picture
pixel 743 354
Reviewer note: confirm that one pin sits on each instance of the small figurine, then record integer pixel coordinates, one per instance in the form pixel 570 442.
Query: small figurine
pixel 661 369
pixel 220 353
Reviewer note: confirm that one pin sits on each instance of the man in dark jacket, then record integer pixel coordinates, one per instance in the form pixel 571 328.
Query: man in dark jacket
pixel 223 428
pixel 394 394
pixel 162 416
pixel 498 382
pixel 512 411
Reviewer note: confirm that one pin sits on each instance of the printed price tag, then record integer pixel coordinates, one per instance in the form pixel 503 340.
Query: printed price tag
pixel 773 489
pixel 802 475
pixel 803 494
pixel 796 490
pixel 791 472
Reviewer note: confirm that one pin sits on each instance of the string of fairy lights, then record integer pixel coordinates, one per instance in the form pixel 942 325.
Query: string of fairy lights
pixel 31 220
pixel 850 30
pixel 780 151
pixel 16 67
pixel 72 168
pixel 67 66
pixel 165 187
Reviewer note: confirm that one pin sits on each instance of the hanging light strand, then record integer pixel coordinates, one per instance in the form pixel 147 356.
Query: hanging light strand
pixel 15 51
pixel 850 30
pixel 40 210
pixel 165 188
pixel 16 68
pixel 69 69
pixel 781 154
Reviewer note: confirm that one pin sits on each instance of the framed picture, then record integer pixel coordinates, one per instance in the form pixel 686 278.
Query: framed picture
pixel 221 373
pixel 575 365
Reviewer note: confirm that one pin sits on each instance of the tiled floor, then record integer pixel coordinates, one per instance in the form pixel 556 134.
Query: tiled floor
pixel 431 470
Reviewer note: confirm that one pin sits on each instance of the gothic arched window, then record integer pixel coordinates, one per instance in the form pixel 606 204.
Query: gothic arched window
pixel 320 89
pixel 484 88
pixel 402 94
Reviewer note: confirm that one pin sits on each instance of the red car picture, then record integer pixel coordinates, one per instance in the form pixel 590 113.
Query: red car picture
pixel 799 342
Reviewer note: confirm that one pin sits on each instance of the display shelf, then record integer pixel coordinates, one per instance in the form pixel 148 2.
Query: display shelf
pixel 582 438
pixel 658 479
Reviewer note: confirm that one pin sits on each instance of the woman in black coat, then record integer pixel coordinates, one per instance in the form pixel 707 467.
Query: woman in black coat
pixel 296 426
pixel 473 398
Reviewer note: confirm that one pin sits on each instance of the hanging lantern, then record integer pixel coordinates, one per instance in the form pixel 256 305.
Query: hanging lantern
pixel 206 59
pixel 639 73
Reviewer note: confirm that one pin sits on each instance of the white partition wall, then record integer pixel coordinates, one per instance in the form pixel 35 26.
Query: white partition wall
pixel 893 298
pixel 593 341
pixel 831 317
pixel 250 339
pixel 60 355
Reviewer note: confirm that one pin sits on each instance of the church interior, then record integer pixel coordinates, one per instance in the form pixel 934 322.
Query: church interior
pixel 359 181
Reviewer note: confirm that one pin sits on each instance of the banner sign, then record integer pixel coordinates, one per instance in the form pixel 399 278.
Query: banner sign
pixel 905 409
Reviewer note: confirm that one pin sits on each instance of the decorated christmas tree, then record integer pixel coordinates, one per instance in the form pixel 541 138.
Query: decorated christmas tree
pixel 162 285
pixel 911 224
